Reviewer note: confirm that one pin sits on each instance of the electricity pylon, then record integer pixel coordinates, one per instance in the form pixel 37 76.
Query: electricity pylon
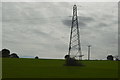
pixel 74 44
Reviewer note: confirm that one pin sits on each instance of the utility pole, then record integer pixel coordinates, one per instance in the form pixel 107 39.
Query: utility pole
pixel 89 52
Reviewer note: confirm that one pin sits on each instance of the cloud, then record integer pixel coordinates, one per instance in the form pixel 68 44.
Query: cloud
pixel 83 21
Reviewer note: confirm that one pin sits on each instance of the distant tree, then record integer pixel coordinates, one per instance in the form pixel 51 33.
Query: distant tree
pixel 14 55
pixel 5 53
pixel 36 57
pixel 110 57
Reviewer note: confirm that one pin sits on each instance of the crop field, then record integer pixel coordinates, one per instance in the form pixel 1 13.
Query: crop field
pixel 54 68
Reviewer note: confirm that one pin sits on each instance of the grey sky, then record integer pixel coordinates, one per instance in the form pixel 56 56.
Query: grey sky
pixel 42 29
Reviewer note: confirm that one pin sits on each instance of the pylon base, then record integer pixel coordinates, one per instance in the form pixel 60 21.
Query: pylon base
pixel 73 62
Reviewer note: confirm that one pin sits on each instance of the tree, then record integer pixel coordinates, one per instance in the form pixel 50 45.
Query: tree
pixel 5 53
pixel 36 57
pixel 110 57
pixel 14 55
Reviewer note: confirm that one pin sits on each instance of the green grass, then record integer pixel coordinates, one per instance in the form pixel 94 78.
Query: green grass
pixel 43 68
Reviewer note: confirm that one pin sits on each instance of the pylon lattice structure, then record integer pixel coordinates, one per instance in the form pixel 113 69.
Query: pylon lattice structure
pixel 74 44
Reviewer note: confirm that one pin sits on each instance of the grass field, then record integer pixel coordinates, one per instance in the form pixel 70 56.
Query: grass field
pixel 46 68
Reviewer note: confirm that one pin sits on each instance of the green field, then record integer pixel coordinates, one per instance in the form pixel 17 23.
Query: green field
pixel 46 68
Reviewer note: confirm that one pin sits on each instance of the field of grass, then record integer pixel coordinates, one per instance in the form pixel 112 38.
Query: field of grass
pixel 46 68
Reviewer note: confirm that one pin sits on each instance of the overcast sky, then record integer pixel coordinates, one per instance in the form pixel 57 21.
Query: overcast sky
pixel 43 28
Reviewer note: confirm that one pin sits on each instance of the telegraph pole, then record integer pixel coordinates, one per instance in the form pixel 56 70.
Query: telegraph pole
pixel 89 52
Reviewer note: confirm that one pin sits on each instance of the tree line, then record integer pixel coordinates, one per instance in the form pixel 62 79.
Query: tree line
pixel 5 53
